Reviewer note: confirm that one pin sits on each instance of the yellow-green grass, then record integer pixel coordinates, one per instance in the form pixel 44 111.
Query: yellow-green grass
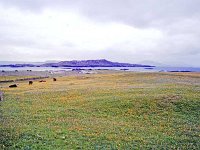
pixel 103 111
pixel 6 78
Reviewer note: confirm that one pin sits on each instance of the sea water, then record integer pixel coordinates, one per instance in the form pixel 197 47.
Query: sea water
pixel 135 69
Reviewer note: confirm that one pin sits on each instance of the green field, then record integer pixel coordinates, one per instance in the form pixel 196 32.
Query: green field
pixel 103 111
pixel 7 78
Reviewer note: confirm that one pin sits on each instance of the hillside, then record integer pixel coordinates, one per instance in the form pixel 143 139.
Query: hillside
pixel 92 63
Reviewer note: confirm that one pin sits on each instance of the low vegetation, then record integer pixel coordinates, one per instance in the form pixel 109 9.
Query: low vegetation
pixel 103 111
pixel 8 78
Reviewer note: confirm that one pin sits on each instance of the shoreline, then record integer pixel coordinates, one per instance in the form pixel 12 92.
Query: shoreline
pixel 27 75
pixel 52 70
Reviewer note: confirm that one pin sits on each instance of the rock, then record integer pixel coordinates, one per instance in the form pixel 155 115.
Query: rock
pixel 1 96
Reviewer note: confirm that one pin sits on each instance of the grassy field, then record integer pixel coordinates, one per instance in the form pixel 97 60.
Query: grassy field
pixel 103 111
pixel 6 78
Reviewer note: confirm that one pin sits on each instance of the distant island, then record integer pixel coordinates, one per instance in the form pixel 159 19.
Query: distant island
pixel 81 63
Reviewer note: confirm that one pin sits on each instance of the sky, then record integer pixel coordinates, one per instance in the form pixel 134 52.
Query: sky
pixel 133 31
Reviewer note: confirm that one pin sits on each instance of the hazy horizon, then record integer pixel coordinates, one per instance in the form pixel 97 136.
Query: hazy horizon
pixel 158 64
pixel 162 32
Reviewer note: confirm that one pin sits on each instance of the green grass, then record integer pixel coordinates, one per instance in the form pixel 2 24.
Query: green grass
pixel 103 111
pixel 6 78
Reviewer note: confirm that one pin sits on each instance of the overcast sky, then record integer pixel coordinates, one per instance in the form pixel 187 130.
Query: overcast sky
pixel 164 31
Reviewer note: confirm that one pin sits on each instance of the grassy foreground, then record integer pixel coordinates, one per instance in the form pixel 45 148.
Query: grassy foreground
pixel 103 111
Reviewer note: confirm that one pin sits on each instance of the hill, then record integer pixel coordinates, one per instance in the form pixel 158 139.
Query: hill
pixel 92 63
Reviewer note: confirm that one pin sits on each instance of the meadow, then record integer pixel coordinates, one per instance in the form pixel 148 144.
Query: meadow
pixel 122 110
pixel 7 78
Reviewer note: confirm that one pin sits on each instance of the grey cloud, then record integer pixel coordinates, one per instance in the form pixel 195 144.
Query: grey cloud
pixel 133 12
pixel 178 20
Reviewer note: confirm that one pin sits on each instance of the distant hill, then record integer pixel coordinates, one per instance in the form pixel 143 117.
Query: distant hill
pixel 76 63
pixel 19 62
pixel 92 63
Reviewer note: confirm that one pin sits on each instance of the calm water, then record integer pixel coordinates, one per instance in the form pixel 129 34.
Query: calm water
pixel 137 69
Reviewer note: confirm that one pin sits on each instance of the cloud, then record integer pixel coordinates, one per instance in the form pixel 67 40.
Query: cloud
pixel 133 30
pixel 135 12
